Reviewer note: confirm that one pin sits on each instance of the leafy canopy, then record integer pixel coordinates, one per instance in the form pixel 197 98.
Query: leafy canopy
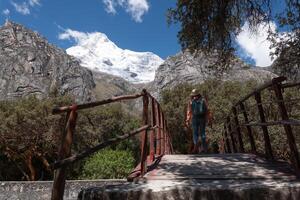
pixel 212 25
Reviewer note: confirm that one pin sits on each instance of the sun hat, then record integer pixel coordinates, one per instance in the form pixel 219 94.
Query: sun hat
pixel 195 92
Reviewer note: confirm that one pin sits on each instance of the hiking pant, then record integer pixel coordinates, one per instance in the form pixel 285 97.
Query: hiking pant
pixel 198 125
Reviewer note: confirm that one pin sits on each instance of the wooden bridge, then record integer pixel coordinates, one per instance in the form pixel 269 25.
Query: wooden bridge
pixel 245 169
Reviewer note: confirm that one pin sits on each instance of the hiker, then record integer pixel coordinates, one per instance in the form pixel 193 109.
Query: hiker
pixel 198 113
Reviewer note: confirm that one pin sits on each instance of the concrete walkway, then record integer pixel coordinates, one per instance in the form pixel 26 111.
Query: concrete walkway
pixel 209 177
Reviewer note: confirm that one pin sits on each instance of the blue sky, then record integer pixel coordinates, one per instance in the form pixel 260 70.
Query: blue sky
pixel 138 25
pixel 123 27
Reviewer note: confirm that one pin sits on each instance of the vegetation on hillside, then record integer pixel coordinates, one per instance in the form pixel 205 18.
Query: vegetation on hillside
pixel 221 97
pixel 30 136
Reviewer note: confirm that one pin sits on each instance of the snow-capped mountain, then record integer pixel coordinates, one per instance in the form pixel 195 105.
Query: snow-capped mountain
pixel 98 53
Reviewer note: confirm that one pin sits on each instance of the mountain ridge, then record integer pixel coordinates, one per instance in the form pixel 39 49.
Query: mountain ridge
pixel 32 66
pixel 98 53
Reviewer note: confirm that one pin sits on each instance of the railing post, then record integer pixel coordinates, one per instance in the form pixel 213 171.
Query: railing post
pixel 268 148
pixel 222 146
pixel 144 134
pixel 231 135
pixel 238 130
pixel 162 142
pixel 64 152
pixel 226 139
pixel 168 139
pixel 152 133
pixel 158 139
pixel 249 130
pixel 288 129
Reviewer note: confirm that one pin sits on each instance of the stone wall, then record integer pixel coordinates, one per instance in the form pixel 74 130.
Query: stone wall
pixel 42 189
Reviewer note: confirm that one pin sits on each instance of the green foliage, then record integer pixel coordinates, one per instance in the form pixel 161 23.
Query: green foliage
pixel 214 24
pixel 30 135
pixel 220 96
pixel 108 164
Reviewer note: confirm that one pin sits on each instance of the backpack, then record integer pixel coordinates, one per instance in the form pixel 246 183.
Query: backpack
pixel 198 107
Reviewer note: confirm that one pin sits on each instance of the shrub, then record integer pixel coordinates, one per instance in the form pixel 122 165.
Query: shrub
pixel 108 164
pixel 220 96
pixel 30 135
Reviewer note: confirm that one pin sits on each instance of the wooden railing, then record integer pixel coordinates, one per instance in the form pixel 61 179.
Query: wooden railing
pixel 154 131
pixel 238 120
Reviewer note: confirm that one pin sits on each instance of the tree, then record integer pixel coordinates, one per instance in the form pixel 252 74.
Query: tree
pixel 29 134
pixel 211 25
pixel 287 44
pixel 214 24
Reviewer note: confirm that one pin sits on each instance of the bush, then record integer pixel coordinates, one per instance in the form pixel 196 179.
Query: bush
pixel 220 96
pixel 108 164
pixel 30 135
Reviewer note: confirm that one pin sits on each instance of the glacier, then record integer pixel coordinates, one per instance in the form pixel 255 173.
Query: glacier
pixel 96 52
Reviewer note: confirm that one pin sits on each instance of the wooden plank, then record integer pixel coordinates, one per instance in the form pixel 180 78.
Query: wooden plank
pixel 231 135
pixel 152 133
pixel 292 122
pixel 288 129
pixel 289 85
pixel 144 134
pixel 158 138
pixel 98 147
pixel 162 137
pixel 249 130
pixel 227 140
pixel 65 151
pixel 97 103
pixel 262 87
pixel 268 148
pixel 238 130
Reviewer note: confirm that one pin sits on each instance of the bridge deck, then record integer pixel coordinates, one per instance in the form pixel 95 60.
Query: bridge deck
pixel 219 167
pixel 211 177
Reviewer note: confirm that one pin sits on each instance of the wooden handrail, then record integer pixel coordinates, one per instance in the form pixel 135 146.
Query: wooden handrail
pixel 261 88
pixel 97 103
pixel 160 141
pixel 233 129
pixel 292 122
pixel 77 157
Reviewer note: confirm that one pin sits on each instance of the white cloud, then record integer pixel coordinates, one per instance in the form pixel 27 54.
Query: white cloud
pixel 6 12
pixel 24 7
pixel 110 6
pixel 21 8
pixel 136 8
pixel 69 34
pixel 256 45
pixel 34 3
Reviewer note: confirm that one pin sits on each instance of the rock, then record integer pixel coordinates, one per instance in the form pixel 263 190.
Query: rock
pixel 32 66
pixel 195 68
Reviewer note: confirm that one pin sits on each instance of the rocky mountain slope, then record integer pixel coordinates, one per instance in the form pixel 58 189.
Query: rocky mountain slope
pixel 288 64
pixel 108 85
pixel 30 65
pixel 98 53
pixel 196 68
